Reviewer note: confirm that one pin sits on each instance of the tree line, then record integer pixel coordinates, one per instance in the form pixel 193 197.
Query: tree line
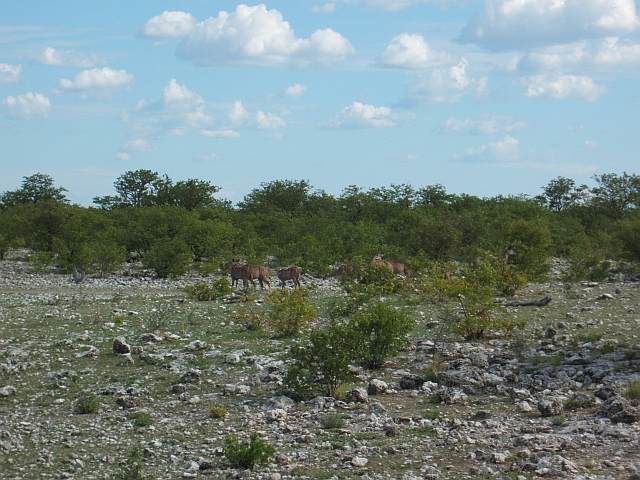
pixel 173 226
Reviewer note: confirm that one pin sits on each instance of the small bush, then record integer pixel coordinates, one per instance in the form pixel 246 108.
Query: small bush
pixel 205 292
pixel 250 319
pixel 132 469
pixel 633 390
pixel 632 354
pixel 322 366
pixel 608 348
pixel 141 419
pixel 432 376
pixel 216 411
pixel 331 420
pixel 168 257
pixel 582 401
pixel 245 456
pixel 290 311
pixel 379 330
pixel 591 337
pixel 119 319
pixel 558 420
pixel 431 415
pixel 88 403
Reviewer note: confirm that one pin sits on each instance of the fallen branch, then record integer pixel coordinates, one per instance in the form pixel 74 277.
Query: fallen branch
pixel 533 303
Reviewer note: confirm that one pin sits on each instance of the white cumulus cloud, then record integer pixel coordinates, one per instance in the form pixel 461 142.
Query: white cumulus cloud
pixel 123 156
pixel 25 107
pixel 239 116
pixel 326 8
pixel 361 115
pixel 523 24
pixel 444 85
pixel 168 25
pixel 564 86
pixel 395 5
pixel 67 58
pixel 137 145
pixel 505 150
pixel 226 133
pixel 410 51
pixel 483 125
pixel 296 90
pixel 257 36
pixel 97 81
pixel 9 73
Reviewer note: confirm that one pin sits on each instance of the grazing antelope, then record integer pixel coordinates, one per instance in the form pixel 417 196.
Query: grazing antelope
pixel 236 272
pixel 343 269
pixel 291 273
pixel 395 266
pixel 248 273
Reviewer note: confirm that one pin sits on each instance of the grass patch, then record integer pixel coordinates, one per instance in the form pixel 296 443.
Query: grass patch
pixel 632 391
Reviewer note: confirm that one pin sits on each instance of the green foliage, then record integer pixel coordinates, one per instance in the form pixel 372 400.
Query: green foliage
pixel 245 456
pixel 141 419
pixel 629 235
pixel 608 348
pixel 331 420
pixel 579 402
pixel 217 411
pixel 379 330
pixel 431 414
pixel 323 365
pixel 558 420
pixel 132 469
pixel 290 311
pixel 632 391
pixel 35 188
pixel 250 319
pixel 87 403
pixel 168 257
pixel 205 292
pixel 591 337
pixel 433 376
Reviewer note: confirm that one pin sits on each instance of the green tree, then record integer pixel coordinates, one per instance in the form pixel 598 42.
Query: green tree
pixel 616 194
pixel 168 257
pixel 35 188
pixel 285 196
pixel 561 193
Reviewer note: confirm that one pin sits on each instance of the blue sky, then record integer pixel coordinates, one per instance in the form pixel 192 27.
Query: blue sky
pixel 485 97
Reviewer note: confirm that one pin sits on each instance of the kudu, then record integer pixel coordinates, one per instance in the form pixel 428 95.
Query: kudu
pixel 248 273
pixel 395 266
pixel 290 273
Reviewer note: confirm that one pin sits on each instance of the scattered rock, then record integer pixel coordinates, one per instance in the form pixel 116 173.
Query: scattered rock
pixel 191 376
pixel 120 346
pixel 126 401
pixel 358 395
pixel 7 391
pixel 550 406
pixel 377 387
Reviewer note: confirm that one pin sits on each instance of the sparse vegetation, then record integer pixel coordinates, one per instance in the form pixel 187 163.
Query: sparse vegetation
pixel 217 411
pixel 206 292
pixel 331 420
pixel 87 403
pixel 633 390
pixel 246 455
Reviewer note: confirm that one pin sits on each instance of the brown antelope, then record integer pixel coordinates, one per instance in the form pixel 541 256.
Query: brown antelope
pixel 395 266
pixel 291 273
pixel 343 269
pixel 247 273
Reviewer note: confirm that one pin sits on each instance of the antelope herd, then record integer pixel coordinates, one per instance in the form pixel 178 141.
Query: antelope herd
pixel 249 273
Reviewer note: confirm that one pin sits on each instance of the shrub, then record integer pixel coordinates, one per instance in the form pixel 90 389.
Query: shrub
pixel 168 257
pixel 558 420
pixel 88 403
pixel 205 292
pixel 432 376
pixel 141 419
pixel 431 415
pixel 608 348
pixel 379 330
pixel 576 403
pixel 331 420
pixel 322 366
pixel 243 455
pixel 216 411
pixel 591 337
pixel 132 469
pixel 632 354
pixel 633 390
pixel 249 319
pixel 290 311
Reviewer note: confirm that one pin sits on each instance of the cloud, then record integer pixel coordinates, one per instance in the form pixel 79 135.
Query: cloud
pixel 240 117
pixel 359 115
pixel 276 136
pixel 209 158
pixel 296 90
pixel 238 114
pixel 394 5
pixel 138 145
pixel 505 150
pixel 410 51
pixel 590 144
pixel 326 8
pixel 524 24
pixel 9 73
pixel 97 82
pixel 260 37
pixel 123 156
pixel 27 106
pixel 564 86
pixel 485 124
pixel 67 58
pixel 220 133
pixel 168 25
pixel 444 85
pixel 266 121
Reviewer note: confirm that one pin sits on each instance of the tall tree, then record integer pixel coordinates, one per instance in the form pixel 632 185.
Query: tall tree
pixel 35 188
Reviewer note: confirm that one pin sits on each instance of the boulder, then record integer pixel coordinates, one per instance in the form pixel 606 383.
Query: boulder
pixel 358 395
pixel 377 386
pixel 550 406
pixel 120 346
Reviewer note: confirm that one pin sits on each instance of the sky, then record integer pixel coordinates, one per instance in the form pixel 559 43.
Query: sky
pixel 484 97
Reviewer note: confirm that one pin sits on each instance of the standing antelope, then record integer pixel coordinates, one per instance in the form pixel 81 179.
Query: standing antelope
pixel 291 273
pixel 395 266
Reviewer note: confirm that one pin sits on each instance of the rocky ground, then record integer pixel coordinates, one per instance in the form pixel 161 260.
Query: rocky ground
pixel 546 403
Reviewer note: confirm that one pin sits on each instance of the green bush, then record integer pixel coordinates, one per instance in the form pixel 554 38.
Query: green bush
pixel 132 469
pixel 168 257
pixel 608 348
pixel 88 403
pixel 379 330
pixel 322 366
pixel 633 390
pixel 591 337
pixel 250 319
pixel 290 311
pixel 331 420
pixel 558 420
pixel 216 411
pixel 243 455
pixel 205 292
pixel 579 402
pixel 141 419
